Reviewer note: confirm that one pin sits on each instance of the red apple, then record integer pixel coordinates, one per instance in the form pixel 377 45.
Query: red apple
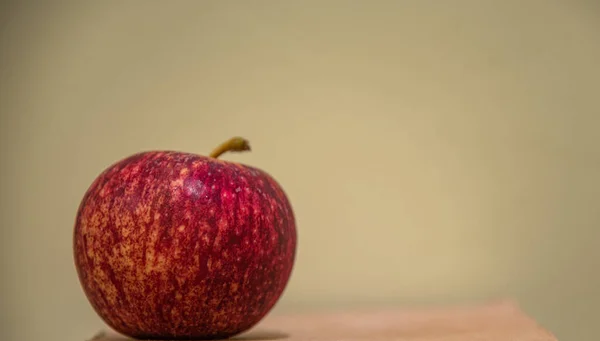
pixel 174 245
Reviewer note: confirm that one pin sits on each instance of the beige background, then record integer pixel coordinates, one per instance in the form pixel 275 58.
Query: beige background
pixel 434 151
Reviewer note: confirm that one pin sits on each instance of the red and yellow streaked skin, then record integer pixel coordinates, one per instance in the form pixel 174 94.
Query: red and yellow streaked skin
pixel 177 245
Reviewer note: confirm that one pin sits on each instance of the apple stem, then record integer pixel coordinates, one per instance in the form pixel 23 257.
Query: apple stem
pixel 234 144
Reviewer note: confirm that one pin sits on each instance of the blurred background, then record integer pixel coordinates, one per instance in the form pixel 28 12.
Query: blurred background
pixel 435 152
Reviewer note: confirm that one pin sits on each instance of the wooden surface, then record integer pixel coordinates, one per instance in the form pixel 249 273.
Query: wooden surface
pixel 498 321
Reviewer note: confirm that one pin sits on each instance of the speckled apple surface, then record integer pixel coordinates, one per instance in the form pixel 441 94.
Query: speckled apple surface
pixel 172 245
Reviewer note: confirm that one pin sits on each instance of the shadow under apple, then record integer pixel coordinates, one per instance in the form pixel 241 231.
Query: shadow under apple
pixel 254 335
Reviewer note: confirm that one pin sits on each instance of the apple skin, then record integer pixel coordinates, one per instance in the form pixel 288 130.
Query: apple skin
pixel 173 245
